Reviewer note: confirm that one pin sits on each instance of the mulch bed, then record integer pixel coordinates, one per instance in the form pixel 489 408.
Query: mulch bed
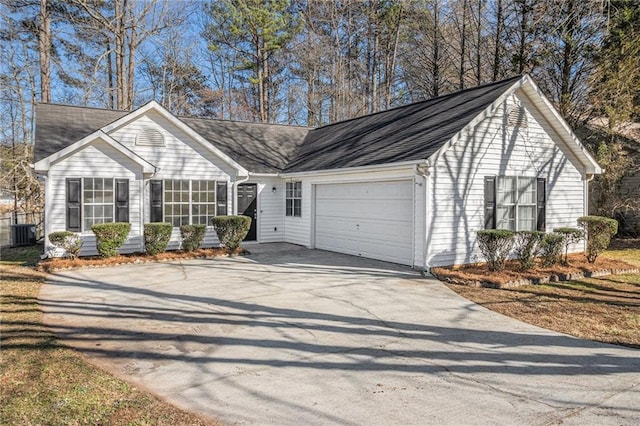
pixel 50 265
pixel 478 275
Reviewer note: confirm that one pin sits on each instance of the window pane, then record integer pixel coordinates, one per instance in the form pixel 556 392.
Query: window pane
pixel 527 188
pixel 506 218
pixel 289 207
pixel 526 218
pixel 297 208
pixel 506 190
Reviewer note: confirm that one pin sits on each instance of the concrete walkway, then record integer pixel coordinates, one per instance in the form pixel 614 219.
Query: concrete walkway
pixel 295 336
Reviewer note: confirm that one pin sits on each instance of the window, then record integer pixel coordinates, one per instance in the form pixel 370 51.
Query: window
pixel 294 199
pixel 515 203
pixel 96 200
pixel 203 199
pixel 97 196
pixel 176 202
pixel 183 202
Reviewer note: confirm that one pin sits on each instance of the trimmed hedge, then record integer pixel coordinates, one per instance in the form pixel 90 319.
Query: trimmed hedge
pixel 599 231
pixel 110 237
pixel 192 236
pixel 231 230
pixel 495 245
pixel 527 247
pixel 551 248
pixel 156 237
pixel 571 236
pixel 68 241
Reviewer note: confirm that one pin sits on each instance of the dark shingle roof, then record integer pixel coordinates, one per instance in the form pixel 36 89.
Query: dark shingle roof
pixel 260 148
pixel 58 126
pixel 407 133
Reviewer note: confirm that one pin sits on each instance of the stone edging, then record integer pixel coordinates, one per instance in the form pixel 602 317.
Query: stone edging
pixel 544 280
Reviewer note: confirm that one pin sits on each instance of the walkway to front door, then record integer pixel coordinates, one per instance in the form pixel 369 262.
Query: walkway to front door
pixel 248 206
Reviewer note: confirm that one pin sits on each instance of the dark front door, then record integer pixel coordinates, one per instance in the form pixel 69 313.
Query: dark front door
pixel 248 206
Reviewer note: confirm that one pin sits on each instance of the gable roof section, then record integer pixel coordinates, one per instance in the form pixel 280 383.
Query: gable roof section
pixel 46 162
pixel 256 147
pixel 407 133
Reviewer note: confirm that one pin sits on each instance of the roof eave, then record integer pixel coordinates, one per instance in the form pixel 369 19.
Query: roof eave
pixel 355 169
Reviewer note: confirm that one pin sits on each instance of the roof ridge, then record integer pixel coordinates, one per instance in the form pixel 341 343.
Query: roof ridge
pixel 459 92
pixel 226 120
pixel 82 107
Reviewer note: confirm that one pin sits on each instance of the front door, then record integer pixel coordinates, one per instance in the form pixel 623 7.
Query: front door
pixel 248 206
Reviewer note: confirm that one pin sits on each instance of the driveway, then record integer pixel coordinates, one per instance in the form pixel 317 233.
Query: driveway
pixel 294 336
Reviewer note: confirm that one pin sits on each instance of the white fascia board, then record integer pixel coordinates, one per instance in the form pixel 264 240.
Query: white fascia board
pixel 44 164
pixel 358 169
pixel 153 105
pixel 564 131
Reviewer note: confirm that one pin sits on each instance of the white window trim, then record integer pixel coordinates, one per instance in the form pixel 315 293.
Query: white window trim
pixel 516 206
pixel 293 198
pixel 191 203
pixel 83 203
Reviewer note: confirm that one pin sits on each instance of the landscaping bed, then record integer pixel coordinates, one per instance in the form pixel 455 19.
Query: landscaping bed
pixel 604 309
pixel 55 264
pixel 478 275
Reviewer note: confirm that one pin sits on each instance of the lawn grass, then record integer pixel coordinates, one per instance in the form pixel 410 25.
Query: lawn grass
pixel 44 382
pixel 605 309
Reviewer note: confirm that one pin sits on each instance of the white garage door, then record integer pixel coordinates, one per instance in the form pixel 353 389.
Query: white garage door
pixel 366 219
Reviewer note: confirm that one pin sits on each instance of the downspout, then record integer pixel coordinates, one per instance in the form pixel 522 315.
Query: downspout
pixel 234 187
pixel 422 170
pixel 588 178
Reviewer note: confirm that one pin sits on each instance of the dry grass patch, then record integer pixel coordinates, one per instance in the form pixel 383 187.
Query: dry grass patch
pixel 605 309
pixel 44 382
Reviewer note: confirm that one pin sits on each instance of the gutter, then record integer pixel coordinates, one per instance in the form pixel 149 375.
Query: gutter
pixel 358 169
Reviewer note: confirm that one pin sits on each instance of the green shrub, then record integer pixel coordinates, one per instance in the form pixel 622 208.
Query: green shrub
pixel 551 248
pixel 156 237
pixel 495 245
pixel 599 231
pixel 231 230
pixel 571 236
pixel 68 241
pixel 192 236
pixel 527 246
pixel 110 237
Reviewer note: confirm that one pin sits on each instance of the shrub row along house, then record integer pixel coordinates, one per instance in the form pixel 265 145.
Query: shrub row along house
pixel 410 185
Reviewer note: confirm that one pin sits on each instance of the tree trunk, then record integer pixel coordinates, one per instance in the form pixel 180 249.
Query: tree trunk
pixel 44 50
pixel 463 44
pixel 497 51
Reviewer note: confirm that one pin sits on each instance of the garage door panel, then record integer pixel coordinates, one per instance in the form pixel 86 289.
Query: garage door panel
pixel 366 219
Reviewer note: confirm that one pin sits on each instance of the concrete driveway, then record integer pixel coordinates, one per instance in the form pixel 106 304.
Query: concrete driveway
pixel 295 336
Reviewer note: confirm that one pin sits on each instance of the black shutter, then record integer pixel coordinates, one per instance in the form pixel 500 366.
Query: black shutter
pixel 542 203
pixel 122 200
pixel 489 202
pixel 74 205
pixel 221 199
pixel 156 201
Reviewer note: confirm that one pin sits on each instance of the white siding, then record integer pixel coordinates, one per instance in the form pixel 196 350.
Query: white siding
pixel 457 181
pixel 98 159
pixel 180 158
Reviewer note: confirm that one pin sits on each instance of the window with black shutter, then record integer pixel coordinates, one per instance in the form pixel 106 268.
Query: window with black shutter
pixel 74 204
pixel 541 221
pixel 221 198
pixel 122 200
pixel 156 201
pixel 489 202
